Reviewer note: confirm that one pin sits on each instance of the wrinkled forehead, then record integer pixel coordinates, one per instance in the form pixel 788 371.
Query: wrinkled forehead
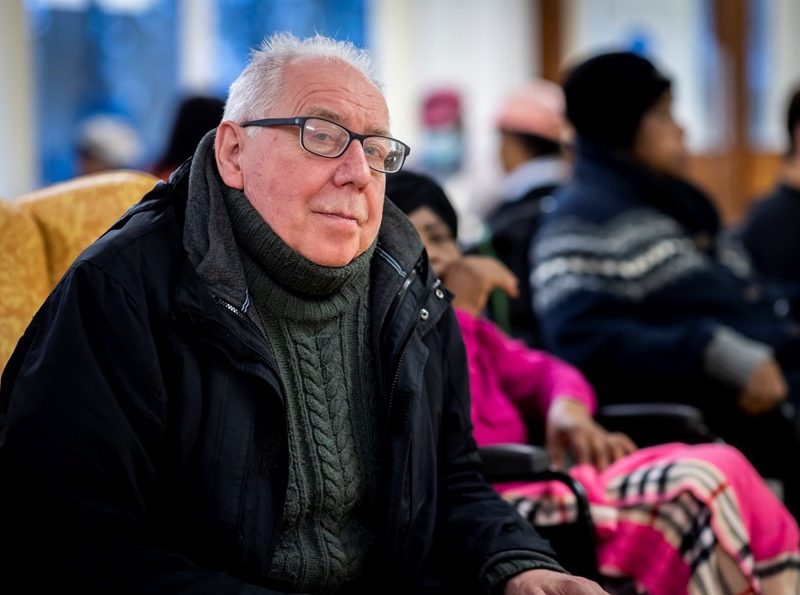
pixel 317 86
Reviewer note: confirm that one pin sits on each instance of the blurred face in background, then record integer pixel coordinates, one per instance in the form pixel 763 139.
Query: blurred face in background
pixel 438 238
pixel 659 140
pixel 512 151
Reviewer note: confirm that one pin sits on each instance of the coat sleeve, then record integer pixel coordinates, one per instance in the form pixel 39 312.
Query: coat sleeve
pixel 83 414
pixel 594 331
pixel 481 531
pixel 594 295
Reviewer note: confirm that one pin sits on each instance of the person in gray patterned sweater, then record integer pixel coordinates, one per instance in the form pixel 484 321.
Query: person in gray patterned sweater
pixel 637 285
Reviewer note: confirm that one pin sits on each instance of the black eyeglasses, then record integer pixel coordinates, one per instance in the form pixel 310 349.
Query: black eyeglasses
pixel 329 139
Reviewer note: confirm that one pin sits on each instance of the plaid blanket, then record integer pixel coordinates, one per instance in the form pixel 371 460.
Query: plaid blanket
pixel 679 519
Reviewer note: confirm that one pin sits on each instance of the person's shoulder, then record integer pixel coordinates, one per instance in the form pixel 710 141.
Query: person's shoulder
pixel 587 223
pixel 581 200
pixel 510 214
pixel 781 201
pixel 146 240
pixel 770 216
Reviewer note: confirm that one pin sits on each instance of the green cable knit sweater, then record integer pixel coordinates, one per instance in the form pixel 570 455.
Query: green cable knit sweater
pixel 316 319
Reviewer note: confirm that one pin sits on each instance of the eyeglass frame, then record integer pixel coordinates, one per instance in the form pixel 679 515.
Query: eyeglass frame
pixel 301 122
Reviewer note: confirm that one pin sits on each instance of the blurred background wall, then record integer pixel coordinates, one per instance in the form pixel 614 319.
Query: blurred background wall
pixel 18 159
pixel 62 62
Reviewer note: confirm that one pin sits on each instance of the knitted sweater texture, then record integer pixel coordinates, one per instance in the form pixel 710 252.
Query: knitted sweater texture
pixel 316 321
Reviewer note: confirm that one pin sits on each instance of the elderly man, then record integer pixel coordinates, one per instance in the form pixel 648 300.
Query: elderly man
pixel 253 383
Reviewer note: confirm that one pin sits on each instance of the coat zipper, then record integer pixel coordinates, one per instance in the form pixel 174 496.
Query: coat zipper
pixel 241 316
pixel 403 347
pixel 407 280
pixel 261 358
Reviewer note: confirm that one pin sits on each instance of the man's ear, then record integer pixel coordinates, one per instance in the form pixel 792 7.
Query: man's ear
pixel 228 147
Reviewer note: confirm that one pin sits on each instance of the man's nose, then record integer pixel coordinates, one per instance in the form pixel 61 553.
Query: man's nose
pixel 354 166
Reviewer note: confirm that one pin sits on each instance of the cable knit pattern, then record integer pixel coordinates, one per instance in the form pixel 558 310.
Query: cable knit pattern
pixel 316 321
pixel 335 449
pixel 324 540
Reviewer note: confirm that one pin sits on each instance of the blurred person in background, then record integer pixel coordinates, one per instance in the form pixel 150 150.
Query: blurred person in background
pixel 106 142
pixel 532 126
pixel 771 232
pixel 673 518
pixel 196 115
pixel 636 284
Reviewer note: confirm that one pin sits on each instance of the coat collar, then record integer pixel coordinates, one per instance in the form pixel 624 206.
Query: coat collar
pixel 620 175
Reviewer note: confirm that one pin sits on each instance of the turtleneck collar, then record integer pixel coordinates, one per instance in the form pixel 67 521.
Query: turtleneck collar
pixel 281 263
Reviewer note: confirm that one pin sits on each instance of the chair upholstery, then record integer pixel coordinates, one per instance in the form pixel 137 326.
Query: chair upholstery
pixel 73 214
pixel 42 233
pixel 24 281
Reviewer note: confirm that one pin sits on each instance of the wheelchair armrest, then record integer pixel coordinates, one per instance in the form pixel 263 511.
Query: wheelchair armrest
pixel 513 462
pixel 656 423
pixel 524 462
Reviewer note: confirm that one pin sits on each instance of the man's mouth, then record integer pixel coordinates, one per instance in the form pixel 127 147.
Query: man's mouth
pixel 340 215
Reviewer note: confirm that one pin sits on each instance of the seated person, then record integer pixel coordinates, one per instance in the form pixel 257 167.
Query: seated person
pixel 252 383
pixel 531 125
pixel 770 232
pixel 106 142
pixel 635 284
pixel 676 518
pixel 196 115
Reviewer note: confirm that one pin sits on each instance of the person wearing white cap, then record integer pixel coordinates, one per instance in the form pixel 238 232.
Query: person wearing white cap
pixel 107 142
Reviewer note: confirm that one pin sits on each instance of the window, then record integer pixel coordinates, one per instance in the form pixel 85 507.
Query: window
pixel 122 58
pixel 114 57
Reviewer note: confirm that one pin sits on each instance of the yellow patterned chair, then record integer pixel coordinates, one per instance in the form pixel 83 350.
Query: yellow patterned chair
pixel 42 233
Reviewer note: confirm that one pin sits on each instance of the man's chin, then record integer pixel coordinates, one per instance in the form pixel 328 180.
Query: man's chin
pixel 335 256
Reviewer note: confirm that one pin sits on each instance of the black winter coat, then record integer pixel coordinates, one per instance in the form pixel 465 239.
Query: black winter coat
pixel 143 444
pixel 770 236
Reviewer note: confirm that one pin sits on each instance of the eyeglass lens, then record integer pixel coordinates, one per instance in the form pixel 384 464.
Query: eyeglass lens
pixel 330 140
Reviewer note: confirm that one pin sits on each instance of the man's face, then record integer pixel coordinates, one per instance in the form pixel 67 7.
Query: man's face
pixel 328 210
pixel 659 140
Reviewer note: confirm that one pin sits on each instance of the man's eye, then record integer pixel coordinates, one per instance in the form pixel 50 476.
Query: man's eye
pixel 375 151
pixel 322 137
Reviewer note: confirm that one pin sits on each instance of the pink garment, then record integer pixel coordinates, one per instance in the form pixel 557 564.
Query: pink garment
pixel 675 518
pixel 679 519
pixel 509 382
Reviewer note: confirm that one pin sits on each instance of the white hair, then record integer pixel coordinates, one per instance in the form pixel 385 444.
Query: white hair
pixel 255 91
